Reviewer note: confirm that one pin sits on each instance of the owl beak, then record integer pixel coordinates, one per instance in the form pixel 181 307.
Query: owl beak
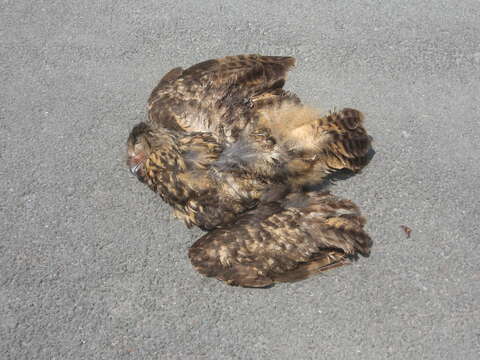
pixel 134 169
pixel 135 165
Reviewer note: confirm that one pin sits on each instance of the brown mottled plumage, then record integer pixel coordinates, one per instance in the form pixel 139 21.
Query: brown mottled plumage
pixel 223 138
pixel 218 96
pixel 286 240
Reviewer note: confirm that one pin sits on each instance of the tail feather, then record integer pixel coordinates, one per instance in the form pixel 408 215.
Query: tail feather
pixel 350 144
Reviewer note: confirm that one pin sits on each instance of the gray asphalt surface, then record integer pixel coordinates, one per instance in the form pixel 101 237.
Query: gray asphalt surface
pixel 92 264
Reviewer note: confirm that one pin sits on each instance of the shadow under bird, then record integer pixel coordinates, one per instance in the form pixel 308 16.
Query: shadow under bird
pixel 232 152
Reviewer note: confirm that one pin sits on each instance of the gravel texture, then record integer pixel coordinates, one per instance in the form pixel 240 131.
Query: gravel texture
pixel 92 264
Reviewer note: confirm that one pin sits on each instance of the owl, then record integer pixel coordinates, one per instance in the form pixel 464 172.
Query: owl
pixel 233 153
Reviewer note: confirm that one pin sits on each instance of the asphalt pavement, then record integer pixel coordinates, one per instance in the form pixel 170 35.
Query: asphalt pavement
pixel 94 266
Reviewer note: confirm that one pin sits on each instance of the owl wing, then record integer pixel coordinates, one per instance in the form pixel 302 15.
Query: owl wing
pixel 217 95
pixel 252 73
pixel 283 241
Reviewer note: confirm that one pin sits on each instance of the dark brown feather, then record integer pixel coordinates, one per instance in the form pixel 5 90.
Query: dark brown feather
pixel 283 241
pixel 216 95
